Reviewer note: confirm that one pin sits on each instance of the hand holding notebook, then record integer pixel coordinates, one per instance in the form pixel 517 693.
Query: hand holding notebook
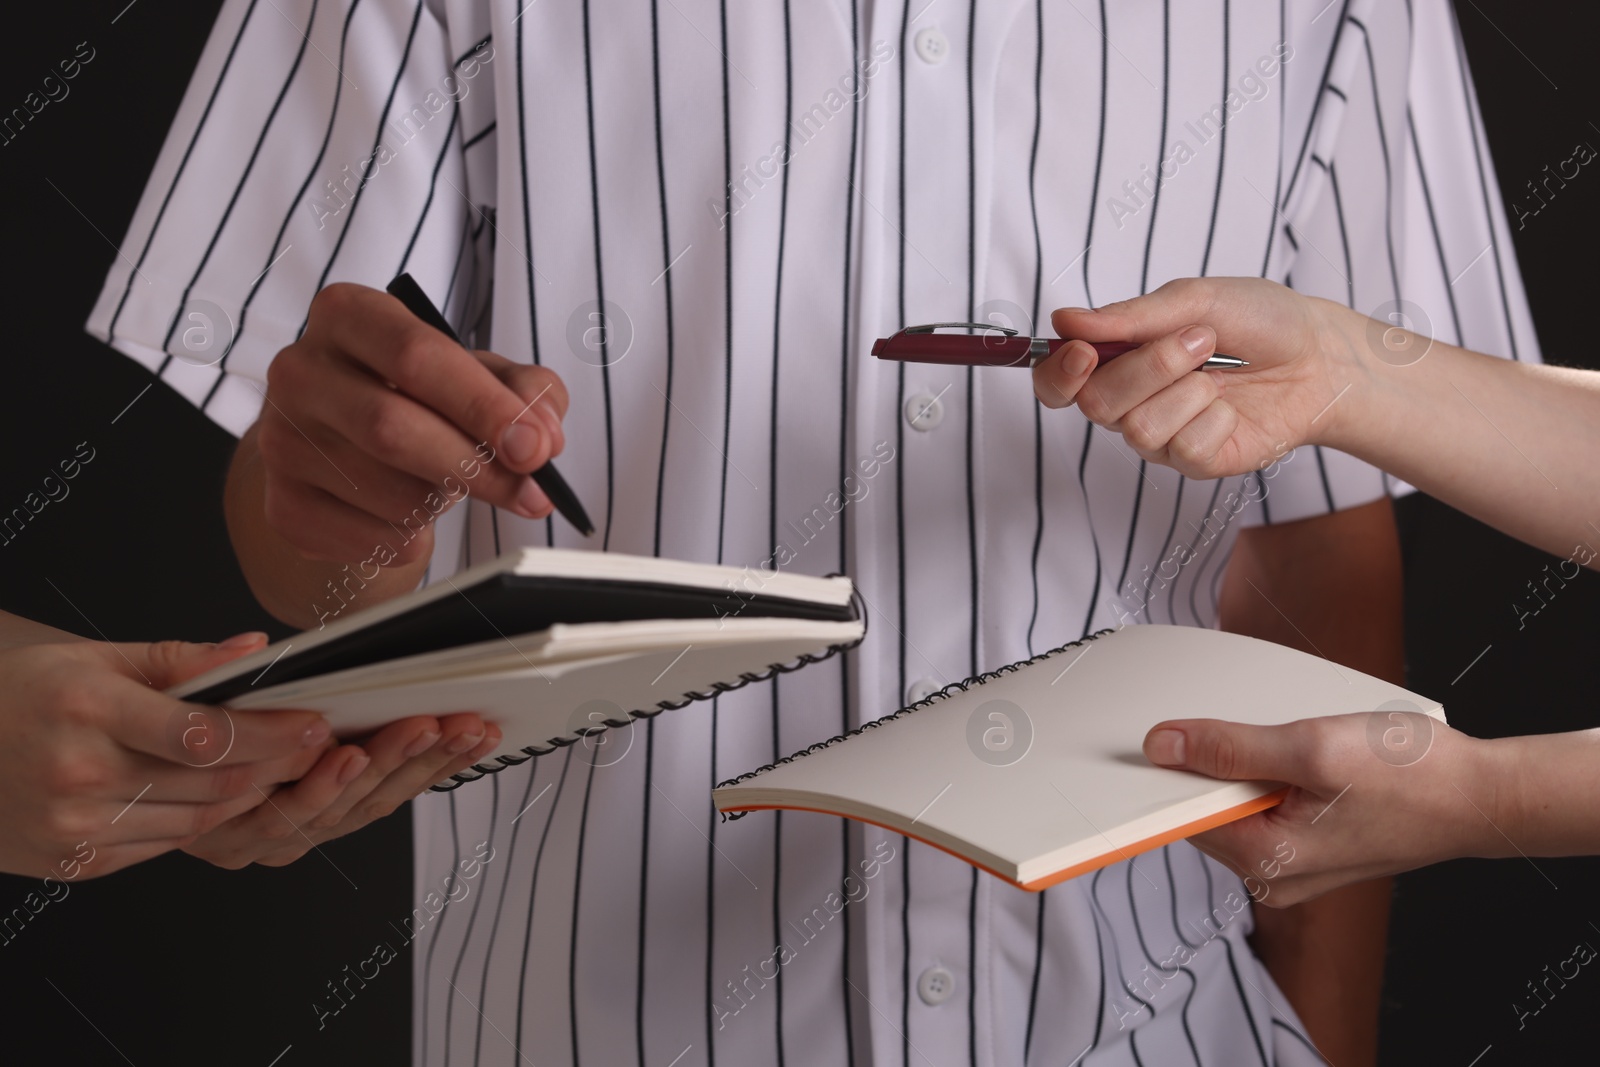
pixel 552 645
pixel 1377 794
pixel 1035 772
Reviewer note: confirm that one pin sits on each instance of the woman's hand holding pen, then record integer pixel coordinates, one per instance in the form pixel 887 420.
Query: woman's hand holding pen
pixel 1215 423
pixel 1416 407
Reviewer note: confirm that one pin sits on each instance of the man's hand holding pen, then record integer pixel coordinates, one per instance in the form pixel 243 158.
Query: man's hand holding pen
pixel 372 415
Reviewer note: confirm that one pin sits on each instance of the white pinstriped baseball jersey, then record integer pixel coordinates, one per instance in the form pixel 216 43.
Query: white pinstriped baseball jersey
pixel 748 194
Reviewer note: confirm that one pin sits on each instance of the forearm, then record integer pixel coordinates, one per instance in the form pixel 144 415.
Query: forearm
pixel 15 632
pixel 1500 440
pixel 294 588
pixel 1535 796
pixel 1327 954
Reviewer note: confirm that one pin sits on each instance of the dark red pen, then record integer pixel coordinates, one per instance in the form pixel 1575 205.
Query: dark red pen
pixel 997 346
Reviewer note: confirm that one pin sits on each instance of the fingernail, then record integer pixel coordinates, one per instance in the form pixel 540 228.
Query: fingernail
pixel 353 768
pixel 464 742
pixel 1079 360
pixel 244 640
pixel 547 408
pixel 422 744
pixel 1195 338
pixel 489 744
pixel 519 443
pixel 315 734
pixel 531 500
pixel 1077 311
pixel 552 424
pixel 1165 747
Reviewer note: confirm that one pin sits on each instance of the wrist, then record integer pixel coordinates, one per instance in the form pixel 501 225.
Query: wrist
pixel 1497 786
pixel 1341 342
pixel 18 632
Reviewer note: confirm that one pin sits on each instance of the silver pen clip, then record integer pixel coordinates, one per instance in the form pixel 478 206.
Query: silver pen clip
pixel 1038 347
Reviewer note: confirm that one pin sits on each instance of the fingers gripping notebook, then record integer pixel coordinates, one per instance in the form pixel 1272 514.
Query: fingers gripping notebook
pixel 1036 772
pixel 552 645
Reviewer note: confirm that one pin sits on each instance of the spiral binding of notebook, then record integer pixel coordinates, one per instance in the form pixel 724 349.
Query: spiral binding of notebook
pixel 500 763
pixel 932 698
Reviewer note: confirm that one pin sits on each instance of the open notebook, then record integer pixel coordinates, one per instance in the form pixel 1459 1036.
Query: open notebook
pixel 1036 772
pixel 552 645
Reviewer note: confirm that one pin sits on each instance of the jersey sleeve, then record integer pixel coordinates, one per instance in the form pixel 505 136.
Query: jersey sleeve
pixel 317 142
pixel 1396 213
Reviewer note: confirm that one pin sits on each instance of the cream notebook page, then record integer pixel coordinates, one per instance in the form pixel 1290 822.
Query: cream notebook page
pixel 1058 784
pixel 545 688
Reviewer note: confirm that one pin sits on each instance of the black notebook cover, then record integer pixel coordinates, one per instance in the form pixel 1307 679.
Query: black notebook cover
pixel 507 605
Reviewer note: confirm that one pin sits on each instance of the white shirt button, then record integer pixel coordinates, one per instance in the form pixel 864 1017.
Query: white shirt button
pixel 921 689
pixel 935 985
pixel 924 411
pixel 931 45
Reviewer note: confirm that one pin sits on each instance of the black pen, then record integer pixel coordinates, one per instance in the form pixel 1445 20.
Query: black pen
pixel 409 293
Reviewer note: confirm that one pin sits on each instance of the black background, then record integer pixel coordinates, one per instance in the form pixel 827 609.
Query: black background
pixel 176 962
